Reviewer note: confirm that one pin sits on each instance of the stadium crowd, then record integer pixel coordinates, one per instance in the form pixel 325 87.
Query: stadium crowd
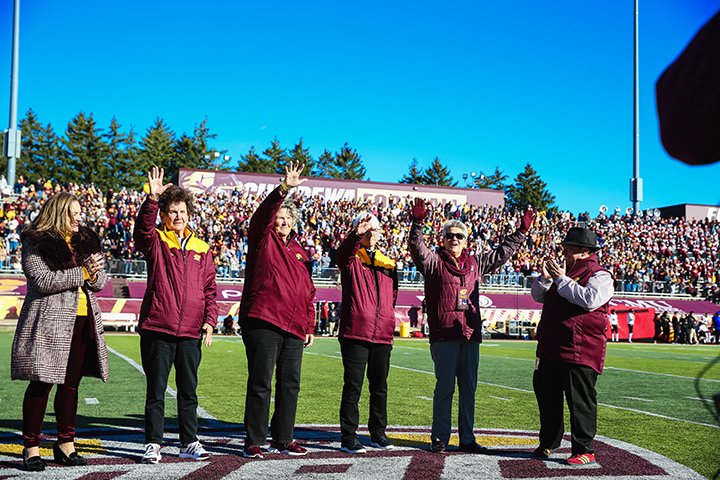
pixel 644 253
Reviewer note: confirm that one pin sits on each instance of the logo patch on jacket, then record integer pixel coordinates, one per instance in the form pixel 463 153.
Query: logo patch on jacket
pixel 196 257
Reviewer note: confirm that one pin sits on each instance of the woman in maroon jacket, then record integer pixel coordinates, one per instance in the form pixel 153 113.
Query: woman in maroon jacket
pixel 179 306
pixel 451 292
pixel 277 317
pixel 367 323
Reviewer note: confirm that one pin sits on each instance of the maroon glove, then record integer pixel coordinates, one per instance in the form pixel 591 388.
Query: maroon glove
pixel 527 220
pixel 419 210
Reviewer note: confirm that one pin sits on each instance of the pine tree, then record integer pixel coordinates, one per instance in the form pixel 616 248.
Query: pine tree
pixel 438 174
pixel 528 190
pixel 157 149
pixel 251 162
pixel 276 155
pixel 348 164
pixel 84 154
pixel 325 166
pixel 39 155
pixel 193 151
pixel 414 174
pixel 301 156
pixel 123 157
pixel 495 181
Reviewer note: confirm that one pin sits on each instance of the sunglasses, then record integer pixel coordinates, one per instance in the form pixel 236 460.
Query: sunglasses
pixel 450 236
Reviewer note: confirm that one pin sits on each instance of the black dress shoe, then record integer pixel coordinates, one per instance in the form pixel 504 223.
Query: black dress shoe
pixel 34 464
pixel 473 448
pixel 72 460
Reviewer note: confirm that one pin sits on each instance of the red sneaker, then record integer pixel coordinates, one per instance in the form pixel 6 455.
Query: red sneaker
pixel 291 448
pixel 252 451
pixel 581 459
pixel 541 452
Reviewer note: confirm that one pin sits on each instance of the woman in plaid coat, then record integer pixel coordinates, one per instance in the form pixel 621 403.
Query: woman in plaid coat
pixel 59 336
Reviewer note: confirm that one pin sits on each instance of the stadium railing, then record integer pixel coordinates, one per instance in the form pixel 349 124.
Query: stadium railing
pixel 411 279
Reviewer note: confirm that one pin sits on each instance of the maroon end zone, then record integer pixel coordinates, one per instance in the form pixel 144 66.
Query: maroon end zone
pixel 115 454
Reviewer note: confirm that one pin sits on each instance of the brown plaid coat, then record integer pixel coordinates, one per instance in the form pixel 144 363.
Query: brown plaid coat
pixel 44 331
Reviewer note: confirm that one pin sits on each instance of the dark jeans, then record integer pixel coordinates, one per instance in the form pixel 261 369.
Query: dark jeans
pixel 269 349
pixel 577 382
pixel 356 356
pixel 159 353
pixel 66 396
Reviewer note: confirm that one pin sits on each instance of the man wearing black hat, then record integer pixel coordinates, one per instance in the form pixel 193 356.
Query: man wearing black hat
pixel 571 344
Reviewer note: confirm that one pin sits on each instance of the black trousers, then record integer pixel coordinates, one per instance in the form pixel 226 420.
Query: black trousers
pixel 269 349
pixel 159 353
pixel 551 381
pixel 356 356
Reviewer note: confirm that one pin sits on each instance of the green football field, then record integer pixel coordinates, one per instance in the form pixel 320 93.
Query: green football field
pixel 649 395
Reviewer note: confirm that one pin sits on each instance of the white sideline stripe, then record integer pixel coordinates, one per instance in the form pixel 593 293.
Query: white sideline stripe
pixel 640 399
pixel 201 412
pixel 500 398
pixel 424 398
pixel 616 368
pixel 661 374
pixel 530 391
pixel 92 401
pixel 696 398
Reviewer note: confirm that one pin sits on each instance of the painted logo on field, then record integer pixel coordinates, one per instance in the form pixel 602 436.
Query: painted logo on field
pixel 115 453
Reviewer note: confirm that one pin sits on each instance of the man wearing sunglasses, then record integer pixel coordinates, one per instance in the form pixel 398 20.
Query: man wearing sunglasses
pixel 452 276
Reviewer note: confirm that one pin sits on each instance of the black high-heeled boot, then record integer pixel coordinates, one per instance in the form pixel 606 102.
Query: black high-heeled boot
pixel 33 464
pixel 72 460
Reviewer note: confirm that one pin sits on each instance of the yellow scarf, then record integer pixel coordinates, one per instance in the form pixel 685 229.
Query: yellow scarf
pixel 82 300
pixel 380 260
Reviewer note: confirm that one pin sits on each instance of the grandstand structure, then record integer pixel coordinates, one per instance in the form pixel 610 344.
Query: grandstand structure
pixel 659 262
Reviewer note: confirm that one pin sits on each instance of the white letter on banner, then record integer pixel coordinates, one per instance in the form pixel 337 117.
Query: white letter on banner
pixel 228 294
pixel 304 191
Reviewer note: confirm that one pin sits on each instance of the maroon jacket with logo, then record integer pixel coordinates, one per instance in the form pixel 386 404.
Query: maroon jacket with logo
pixel 446 321
pixel 181 288
pixel 368 295
pixel 569 333
pixel 278 288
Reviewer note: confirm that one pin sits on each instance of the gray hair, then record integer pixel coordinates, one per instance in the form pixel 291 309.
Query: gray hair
pixel 374 222
pixel 454 224
pixel 292 209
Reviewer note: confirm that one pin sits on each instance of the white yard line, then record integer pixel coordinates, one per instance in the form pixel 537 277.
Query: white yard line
pixel 640 399
pixel 92 401
pixel 530 391
pixel 201 412
pixel 423 398
pixel 500 398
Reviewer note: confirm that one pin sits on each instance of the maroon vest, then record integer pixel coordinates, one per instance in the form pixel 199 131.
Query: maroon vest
pixel 569 333
pixel 447 321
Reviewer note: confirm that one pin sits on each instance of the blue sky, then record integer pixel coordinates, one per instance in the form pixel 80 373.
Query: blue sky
pixel 479 84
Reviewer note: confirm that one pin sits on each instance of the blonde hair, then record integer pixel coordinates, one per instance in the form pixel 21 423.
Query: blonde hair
pixel 54 216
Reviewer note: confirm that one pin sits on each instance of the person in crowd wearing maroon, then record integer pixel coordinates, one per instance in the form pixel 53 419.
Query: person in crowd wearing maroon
pixel 277 318
pixel 59 335
pixel 178 308
pixel 367 324
pixel 452 277
pixel 571 344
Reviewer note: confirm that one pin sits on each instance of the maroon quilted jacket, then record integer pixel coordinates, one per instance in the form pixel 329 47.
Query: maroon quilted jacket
pixel 278 288
pixel 369 291
pixel 181 288
pixel 446 321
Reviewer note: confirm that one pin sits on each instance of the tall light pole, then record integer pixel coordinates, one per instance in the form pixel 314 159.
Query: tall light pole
pixel 636 189
pixel 12 134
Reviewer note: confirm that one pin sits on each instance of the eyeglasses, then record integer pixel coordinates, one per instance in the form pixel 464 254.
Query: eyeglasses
pixel 451 235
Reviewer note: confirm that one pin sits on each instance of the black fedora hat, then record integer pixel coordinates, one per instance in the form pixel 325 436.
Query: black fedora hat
pixel 581 237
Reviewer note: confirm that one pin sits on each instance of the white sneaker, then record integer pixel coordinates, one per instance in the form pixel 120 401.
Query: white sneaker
pixel 152 453
pixel 195 451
